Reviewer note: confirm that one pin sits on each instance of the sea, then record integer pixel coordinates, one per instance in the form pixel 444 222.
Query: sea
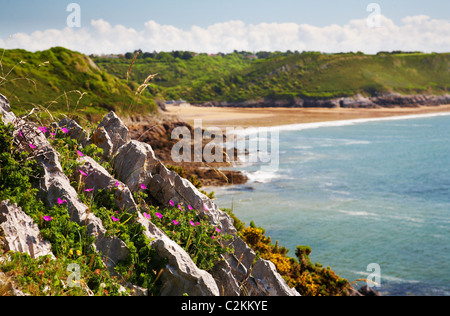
pixel 362 194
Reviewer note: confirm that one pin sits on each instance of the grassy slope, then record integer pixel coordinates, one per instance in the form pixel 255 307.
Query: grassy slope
pixel 281 76
pixel 45 78
pixel 208 78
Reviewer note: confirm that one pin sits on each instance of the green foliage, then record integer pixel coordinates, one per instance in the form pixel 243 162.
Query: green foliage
pixel 142 267
pixel 203 242
pixel 308 279
pixel 70 242
pixel 67 82
pixel 192 179
pixel 240 77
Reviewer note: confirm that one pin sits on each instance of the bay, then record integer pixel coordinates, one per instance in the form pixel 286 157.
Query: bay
pixel 359 192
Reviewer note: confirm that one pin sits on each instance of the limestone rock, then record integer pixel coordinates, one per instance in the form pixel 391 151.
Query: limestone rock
pixel 75 130
pixel 102 140
pixel 21 233
pixel 269 281
pixel 116 130
pixel 98 178
pixel 134 163
pixel 181 275
pixel 54 184
pixel 6 115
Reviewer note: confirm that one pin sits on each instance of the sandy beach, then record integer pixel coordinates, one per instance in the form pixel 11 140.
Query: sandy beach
pixel 262 117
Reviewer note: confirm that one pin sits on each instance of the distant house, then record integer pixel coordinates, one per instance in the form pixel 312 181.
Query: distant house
pixel 180 103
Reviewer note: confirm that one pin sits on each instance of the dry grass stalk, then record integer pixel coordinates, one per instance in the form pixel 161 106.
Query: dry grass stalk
pixel 131 66
pixel 145 84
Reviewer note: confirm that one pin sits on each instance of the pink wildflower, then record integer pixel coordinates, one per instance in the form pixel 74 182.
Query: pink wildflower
pixel 46 218
pixel 190 208
pixel 83 173
pixel 143 187
pixel 64 130
pixel 61 201
pixel 88 190
pixel 179 207
pixel 20 133
pixel 213 237
pixel 147 216
pixel 171 203
pixel 43 129
pixel 192 223
pixel 32 146
pixel 205 207
pixel 175 222
pixel 198 224
pixel 218 230
pixel 159 215
pixel 80 153
pixel 114 219
pixel 117 184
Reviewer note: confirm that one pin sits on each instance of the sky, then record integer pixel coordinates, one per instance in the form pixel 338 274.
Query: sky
pixel 100 27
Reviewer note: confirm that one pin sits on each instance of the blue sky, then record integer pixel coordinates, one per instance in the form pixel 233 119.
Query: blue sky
pixel 28 16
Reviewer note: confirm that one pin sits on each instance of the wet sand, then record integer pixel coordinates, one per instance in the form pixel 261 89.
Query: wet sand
pixel 262 117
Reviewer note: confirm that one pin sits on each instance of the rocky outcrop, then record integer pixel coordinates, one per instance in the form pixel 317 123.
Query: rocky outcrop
pixel 181 274
pixel 164 186
pixel 54 185
pixel 135 164
pixel 156 133
pixel 20 233
pixel 357 101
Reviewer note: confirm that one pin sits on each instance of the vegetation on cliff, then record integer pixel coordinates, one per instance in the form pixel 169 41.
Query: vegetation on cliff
pixel 64 81
pixel 307 278
pixel 243 76
pixel 57 79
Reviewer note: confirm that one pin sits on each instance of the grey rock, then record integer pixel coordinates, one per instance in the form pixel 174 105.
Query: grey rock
pixel 98 178
pixel 116 129
pixel 75 130
pixel 368 291
pixel 54 184
pixel 5 108
pixel 102 140
pixel 134 163
pixel 20 232
pixel 269 281
pixel 181 275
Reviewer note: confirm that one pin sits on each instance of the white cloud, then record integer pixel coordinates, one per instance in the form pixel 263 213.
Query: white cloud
pixel 414 33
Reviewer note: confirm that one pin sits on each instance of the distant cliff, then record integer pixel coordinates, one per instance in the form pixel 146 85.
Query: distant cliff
pixel 383 101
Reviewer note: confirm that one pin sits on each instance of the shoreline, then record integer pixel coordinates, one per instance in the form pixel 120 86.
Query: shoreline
pixel 270 117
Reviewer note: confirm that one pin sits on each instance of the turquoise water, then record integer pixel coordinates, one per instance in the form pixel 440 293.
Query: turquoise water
pixel 361 192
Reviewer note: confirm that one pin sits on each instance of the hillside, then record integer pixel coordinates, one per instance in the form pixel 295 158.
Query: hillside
pixel 66 81
pixel 241 77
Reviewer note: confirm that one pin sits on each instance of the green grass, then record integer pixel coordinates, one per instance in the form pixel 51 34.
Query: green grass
pixel 232 77
pixel 64 81
pixel 67 82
